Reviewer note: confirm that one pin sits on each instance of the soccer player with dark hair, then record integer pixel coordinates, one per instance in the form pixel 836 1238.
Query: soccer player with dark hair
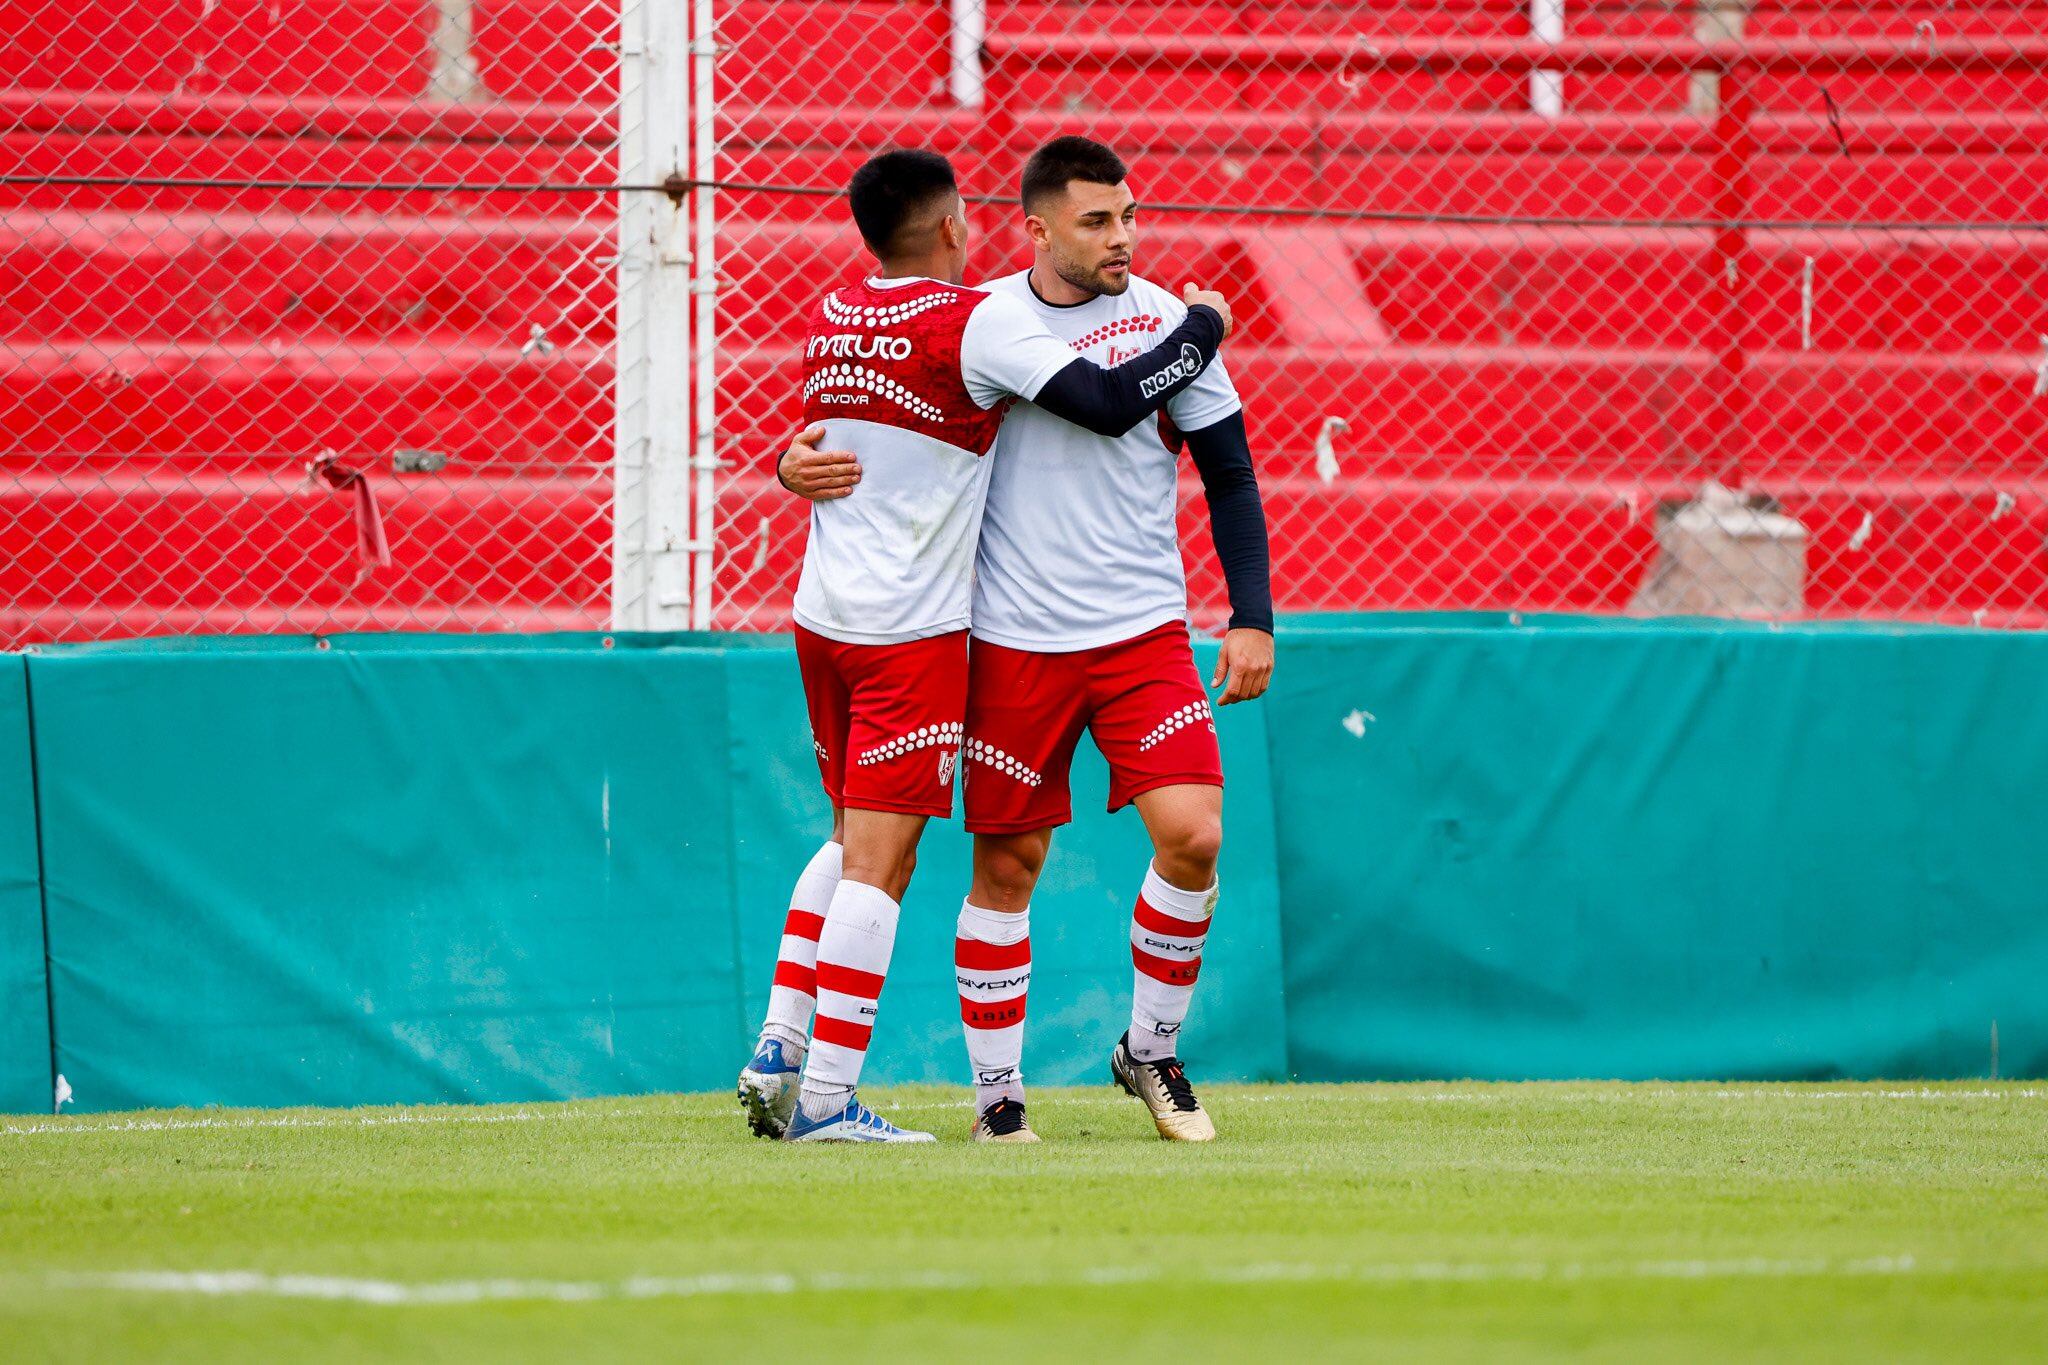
pixel 1079 622
pixel 911 374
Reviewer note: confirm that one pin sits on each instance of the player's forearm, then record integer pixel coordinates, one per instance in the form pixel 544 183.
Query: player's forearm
pixel 1110 402
pixel 1237 519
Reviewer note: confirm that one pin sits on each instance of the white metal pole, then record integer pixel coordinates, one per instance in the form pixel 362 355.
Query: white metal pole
pixel 650 462
pixel 970 27
pixel 1546 88
pixel 704 208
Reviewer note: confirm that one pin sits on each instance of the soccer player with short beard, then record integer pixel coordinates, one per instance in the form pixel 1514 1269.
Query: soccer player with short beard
pixel 1080 622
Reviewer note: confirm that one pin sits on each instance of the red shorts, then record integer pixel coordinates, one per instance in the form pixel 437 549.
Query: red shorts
pixel 886 719
pixel 1141 699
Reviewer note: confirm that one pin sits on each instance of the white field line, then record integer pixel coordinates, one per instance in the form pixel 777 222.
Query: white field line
pixel 83 1125
pixel 79 1126
pixel 1538 1097
pixel 398 1293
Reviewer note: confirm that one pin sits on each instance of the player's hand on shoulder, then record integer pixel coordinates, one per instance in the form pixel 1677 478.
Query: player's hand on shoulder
pixel 1244 665
pixel 814 474
pixel 1192 295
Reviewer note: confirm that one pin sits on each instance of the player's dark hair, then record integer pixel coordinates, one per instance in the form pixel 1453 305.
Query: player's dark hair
pixel 1069 158
pixel 894 187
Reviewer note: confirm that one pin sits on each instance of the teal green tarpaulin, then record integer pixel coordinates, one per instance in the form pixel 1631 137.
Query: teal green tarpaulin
pixel 292 876
pixel 1663 851
pixel 26 1085
pixel 391 871
pixel 497 868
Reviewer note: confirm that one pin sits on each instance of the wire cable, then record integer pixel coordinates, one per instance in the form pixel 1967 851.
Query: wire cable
pixel 679 185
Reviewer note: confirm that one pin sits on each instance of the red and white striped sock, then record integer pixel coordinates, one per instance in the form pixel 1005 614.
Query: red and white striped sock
pixel 992 963
pixel 853 959
pixel 796 965
pixel 1167 932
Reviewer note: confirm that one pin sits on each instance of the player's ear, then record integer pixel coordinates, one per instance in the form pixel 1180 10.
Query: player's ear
pixel 1035 228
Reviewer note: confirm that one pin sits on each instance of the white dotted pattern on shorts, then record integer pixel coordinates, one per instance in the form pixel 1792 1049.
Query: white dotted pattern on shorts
pixel 871 381
pixel 924 737
pixel 1191 714
pixel 852 315
pixel 823 756
pixel 1001 762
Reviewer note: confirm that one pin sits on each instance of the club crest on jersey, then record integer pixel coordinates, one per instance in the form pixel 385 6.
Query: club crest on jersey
pixel 1189 364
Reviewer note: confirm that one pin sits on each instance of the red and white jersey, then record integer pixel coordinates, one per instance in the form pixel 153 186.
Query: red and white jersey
pixel 912 376
pixel 1080 546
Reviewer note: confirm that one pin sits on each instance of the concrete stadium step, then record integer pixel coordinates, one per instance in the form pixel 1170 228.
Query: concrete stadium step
pixel 1903 293
pixel 1770 25
pixel 1939 165
pixel 522 548
pixel 357 117
pixel 255 534
pixel 1200 67
pixel 160 276
pixel 1428 540
pixel 820 147
pixel 1424 285
pixel 876 52
pixel 236 274
pixel 1140 23
pixel 300 159
pixel 1627 407
pixel 854 53
pixel 475 403
pixel 523 49
pixel 1899 168
pixel 1632 409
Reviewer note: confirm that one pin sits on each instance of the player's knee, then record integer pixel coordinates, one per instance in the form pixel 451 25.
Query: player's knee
pixel 1192 847
pixel 1007 869
pixel 888 869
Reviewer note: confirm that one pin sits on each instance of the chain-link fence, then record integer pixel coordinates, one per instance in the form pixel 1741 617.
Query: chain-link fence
pixel 1643 306
pixel 279 349
pixel 330 314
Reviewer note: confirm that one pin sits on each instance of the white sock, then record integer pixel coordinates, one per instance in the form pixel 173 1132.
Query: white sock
pixel 1168 929
pixel 853 960
pixel 796 965
pixel 992 963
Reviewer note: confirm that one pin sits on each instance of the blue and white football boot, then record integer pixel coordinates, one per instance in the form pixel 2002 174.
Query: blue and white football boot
pixel 855 1123
pixel 768 1088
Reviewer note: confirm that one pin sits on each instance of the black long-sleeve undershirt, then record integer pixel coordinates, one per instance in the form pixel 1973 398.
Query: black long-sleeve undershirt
pixel 1237 519
pixel 1110 402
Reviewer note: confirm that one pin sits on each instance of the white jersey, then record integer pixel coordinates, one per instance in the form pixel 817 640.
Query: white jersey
pixel 912 376
pixel 1080 544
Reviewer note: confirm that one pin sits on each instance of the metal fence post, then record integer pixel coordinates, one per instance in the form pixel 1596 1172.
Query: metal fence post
pixel 652 542
pixel 704 330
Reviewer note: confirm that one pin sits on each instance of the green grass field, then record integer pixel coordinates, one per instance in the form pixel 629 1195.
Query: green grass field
pixel 1456 1222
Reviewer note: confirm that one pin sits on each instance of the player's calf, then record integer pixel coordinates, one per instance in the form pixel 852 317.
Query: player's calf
pixel 992 968
pixel 768 1082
